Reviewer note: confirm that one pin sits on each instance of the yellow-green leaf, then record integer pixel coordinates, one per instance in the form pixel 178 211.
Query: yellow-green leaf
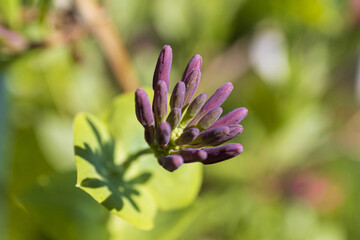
pixel 106 182
pixel 117 168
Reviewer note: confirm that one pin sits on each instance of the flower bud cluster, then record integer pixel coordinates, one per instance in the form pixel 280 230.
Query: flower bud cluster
pixel 190 131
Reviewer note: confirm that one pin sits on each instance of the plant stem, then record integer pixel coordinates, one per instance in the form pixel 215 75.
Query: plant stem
pixel 111 43
pixel 134 156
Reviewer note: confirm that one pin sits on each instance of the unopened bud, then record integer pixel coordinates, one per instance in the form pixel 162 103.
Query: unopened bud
pixel 150 135
pixel 160 101
pixel 171 162
pixel 174 117
pixel 163 66
pixel 191 83
pixel 233 117
pixel 163 134
pixel 194 64
pixel 218 154
pixel 187 136
pixel 177 96
pixel 214 101
pixel 209 118
pixel 193 109
pixel 209 136
pixel 143 108
pixel 234 131
pixel 193 155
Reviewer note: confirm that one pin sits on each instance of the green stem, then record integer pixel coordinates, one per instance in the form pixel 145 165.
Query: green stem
pixel 134 156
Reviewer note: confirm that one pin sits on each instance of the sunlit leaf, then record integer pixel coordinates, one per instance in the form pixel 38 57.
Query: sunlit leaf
pixel 105 181
pixel 170 190
pixel 113 170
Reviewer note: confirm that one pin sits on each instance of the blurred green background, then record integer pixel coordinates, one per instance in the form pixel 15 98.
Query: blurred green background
pixel 294 64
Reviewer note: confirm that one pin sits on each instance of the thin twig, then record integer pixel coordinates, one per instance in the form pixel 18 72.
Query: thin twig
pixel 133 157
pixel 111 43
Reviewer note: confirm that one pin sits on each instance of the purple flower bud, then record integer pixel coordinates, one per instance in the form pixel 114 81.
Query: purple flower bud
pixel 209 136
pixel 174 117
pixel 163 66
pixel 234 131
pixel 187 136
pixel 193 155
pixel 177 96
pixel 209 118
pixel 233 117
pixel 163 134
pixel 143 108
pixel 171 162
pixel 214 101
pixel 194 64
pixel 149 135
pixel 196 105
pixel 193 109
pixel 191 83
pixel 218 154
pixel 199 127
pixel 160 101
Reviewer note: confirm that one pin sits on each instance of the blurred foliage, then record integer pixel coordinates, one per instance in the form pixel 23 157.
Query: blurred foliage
pixel 294 65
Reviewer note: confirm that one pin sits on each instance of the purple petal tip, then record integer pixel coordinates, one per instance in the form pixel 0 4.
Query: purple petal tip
pixel 163 66
pixel 233 117
pixel 193 155
pixel 171 162
pixel 194 64
pixel 143 108
pixel 163 134
pixel 218 154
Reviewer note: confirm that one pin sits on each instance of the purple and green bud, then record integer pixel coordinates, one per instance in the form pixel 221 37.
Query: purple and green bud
pixel 193 109
pixel 163 66
pixel 150 135
pixel 216 100
pixel 233 117
pixel 192 137
pixel 171 162
pixel 234 131
pixel 191 84
pixel 207 137
pixel 218 154
pixel 209 119
pixel 194 64
pixel 177 96
pixel 174 118
pixel 193 155
pixel 143 108
pixel 160 101
pixel 187 136
pixel 163 134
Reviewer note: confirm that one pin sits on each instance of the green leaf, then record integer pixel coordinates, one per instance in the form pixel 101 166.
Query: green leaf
pixel 170 190
pixel 106 182
pixel 114 170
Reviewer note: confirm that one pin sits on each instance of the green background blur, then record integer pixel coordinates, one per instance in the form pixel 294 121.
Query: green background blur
pixel 294 64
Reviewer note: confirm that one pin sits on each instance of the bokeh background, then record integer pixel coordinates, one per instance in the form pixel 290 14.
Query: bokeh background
pixel 294 64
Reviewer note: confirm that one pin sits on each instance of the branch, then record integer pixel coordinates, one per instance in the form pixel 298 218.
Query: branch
pixel 110 42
